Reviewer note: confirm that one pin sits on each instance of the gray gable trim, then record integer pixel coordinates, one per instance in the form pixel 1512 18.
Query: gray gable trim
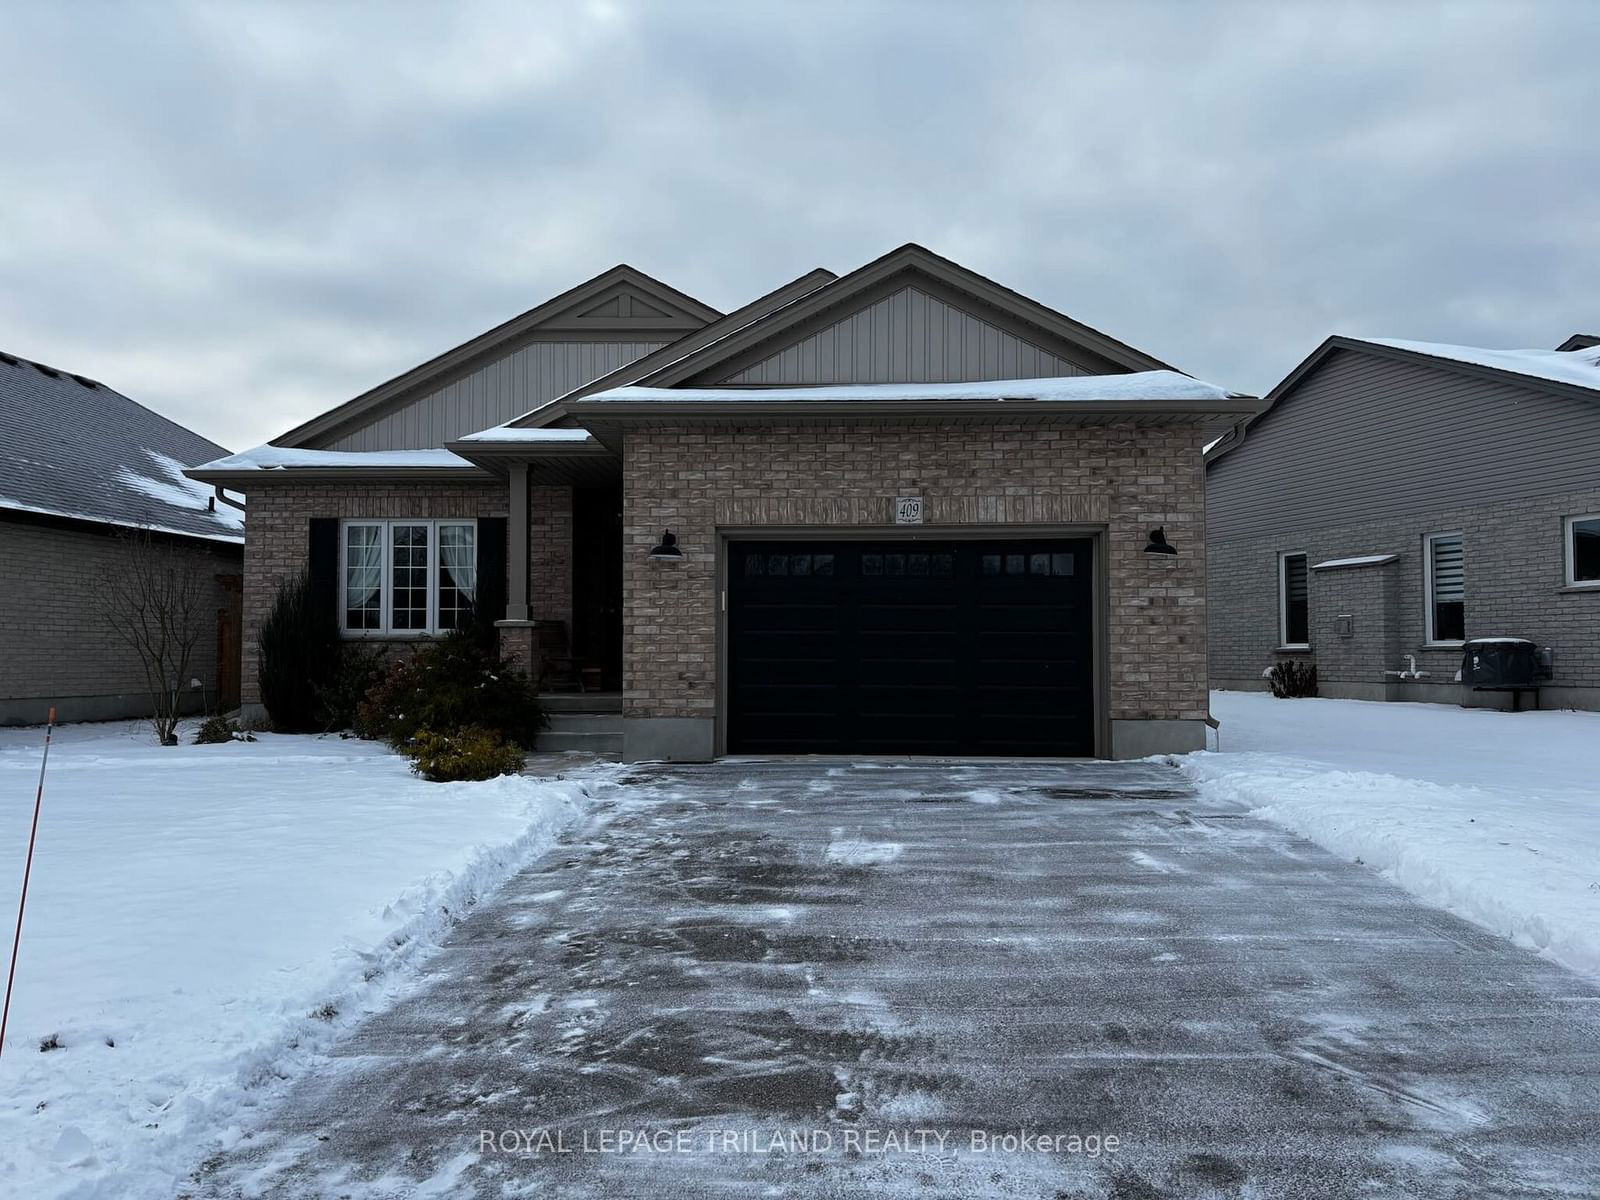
pixel 611 305
pixel 932 273
pixel 73 448
pixel 1313 361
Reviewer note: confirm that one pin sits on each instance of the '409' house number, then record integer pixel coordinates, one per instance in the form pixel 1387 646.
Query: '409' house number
pixel 908 510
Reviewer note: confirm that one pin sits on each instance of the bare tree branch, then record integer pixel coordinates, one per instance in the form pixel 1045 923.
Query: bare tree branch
pixel 155 596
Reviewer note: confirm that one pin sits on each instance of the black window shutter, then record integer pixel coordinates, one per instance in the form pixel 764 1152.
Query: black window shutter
pixel 324 563
pixel 491 603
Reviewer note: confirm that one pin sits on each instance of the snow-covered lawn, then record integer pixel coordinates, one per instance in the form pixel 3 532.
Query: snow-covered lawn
pixel 203 919
pixel 1493 816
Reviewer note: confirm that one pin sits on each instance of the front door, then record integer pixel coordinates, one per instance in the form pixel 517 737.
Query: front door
pixel 597 582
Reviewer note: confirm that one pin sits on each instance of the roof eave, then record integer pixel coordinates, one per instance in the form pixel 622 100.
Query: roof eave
pixel 239 478
pixel 596 408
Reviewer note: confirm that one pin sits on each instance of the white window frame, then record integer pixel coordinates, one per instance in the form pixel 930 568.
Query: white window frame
pixel 1569 539
pixel 385 628
pixel 1428 606
pixel 1283 600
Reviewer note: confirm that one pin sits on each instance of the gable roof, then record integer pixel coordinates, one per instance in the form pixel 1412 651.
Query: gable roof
pixel 1571 373
pixel 1580 341
pixel 630 373
pixel 908 260
pixel 71 447
pixel 619 301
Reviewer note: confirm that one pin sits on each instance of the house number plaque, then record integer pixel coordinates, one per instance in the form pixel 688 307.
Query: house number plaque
pixel 908 510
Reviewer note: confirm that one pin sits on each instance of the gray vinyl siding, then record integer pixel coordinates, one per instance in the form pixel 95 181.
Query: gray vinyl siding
pixel 490 395
pixel 908 336
pixel 1365 438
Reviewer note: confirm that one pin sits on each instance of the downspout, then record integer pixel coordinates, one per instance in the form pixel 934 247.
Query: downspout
pixel 225 498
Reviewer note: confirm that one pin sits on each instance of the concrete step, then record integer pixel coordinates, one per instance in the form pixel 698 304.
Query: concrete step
pixel 581 702
pixel 555 741
pixel 573 722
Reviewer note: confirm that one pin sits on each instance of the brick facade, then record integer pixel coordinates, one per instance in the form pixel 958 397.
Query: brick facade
pixel 55 647
pixel 550 553
pixel 278 526
pixel 1124 478
pixel 1515 586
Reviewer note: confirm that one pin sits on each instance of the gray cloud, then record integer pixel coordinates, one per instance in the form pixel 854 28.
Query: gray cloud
pixel 243 215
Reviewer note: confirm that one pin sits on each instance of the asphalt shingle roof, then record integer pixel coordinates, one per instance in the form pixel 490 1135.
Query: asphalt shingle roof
pixel 72 447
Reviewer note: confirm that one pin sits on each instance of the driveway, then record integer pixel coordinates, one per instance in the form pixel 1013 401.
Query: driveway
pixel 846 980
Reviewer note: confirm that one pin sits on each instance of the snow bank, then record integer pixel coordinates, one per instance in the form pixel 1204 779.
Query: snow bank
pixel 203 920
pixel 1493 816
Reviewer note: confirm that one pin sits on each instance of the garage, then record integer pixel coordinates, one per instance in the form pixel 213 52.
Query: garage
pixel 911 646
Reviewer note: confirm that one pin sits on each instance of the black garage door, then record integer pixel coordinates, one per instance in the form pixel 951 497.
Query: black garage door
pixel 911 647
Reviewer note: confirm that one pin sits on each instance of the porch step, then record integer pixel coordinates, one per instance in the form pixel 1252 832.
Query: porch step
pixel 575 729
pixel 582 722
pixel 553 741
pixel 581 702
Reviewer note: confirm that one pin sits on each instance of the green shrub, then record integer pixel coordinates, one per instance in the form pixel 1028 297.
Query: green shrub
pixel 1290 680
pixel 297 655
pixel 470 753
pixel 448 686
pixel 214 731
pixel 358 671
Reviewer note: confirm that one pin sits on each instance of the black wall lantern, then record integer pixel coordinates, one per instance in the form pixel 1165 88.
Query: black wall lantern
pixel 1158 543
pixel 667 547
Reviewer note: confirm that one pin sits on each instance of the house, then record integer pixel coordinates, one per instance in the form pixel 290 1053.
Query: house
pixel 1398 497
pixel 80 466
pixel 904 510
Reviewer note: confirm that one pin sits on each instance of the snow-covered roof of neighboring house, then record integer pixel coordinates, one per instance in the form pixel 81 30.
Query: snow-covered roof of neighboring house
pixel 1580 368
pixel 1159 386
pixel 72 447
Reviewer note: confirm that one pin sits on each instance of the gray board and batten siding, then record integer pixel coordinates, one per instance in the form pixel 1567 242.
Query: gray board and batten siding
pixel 908 336
pixel 494 393
pixel 1367 438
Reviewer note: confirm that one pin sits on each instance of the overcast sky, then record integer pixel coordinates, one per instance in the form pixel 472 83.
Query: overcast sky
pixel 243 215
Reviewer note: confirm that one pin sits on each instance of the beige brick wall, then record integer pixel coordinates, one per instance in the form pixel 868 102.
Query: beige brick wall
pixel 1125 478
pixel 278 525
pixel 54 645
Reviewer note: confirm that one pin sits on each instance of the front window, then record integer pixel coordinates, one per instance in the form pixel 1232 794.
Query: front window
pixel 1445 568
pixel 1294 602
pixel 1583 551
pixel 408 577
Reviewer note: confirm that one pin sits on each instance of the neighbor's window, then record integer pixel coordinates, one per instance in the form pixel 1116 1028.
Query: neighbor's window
pixel 1294 601
pixel 1583 551
pixel 1445 571
pixel 408 577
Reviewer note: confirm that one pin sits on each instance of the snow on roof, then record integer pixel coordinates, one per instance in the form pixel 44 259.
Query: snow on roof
pixel 1366 560
pixel 275 458
pixel 74 448
pixel 1141 385
pixel 509 433
pixel 1580 368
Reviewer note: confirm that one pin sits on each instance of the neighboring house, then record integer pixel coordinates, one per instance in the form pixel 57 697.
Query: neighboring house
pixel 809 525
pixel 1398 497
pixel 81 466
